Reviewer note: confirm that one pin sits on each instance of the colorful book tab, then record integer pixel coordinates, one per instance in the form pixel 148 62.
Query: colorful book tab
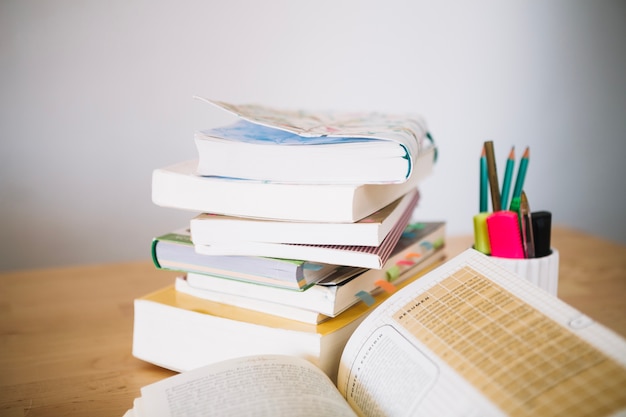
pixel 386 285
pixel 366 297
pixel 426 245
pixel 393 273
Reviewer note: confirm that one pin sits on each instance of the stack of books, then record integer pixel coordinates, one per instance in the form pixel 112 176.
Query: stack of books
pixel 302 225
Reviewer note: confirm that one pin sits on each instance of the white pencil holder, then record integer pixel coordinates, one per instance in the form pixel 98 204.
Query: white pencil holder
pixel 543 272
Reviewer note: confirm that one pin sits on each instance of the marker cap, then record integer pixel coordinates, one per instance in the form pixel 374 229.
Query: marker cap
pixel 504 234
pixel 542 225
pixel 481 236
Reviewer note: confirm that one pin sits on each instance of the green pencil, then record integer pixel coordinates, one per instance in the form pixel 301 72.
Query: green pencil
pixel 483 182
pixel 508 174
pixel 521 174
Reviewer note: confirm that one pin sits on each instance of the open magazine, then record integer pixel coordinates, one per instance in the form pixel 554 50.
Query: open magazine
pixel 467 339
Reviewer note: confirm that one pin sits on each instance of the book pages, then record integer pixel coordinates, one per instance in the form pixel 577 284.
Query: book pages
pixel 407 129
pixel 471 338
pixel 270 385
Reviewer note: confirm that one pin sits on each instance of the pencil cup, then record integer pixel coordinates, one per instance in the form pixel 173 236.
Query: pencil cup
pixel 543 272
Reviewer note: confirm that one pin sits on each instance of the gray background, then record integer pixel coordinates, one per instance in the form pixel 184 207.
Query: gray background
pixel 95 95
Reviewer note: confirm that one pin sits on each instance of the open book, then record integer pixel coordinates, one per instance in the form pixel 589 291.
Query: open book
pixel 467 339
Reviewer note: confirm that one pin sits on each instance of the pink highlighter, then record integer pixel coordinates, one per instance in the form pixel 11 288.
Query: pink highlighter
pixel 504 234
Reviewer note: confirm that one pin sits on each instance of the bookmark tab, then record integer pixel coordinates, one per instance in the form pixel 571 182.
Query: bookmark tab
pixel 415 226
pixel 385 285
pixel 366 297
pixel 312 266
pixel 392 273
pixel 426 245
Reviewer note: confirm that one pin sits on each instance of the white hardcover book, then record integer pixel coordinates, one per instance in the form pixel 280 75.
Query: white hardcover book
pixel 178 186
pixel 180 332
pixel 207 229
pixel 359 256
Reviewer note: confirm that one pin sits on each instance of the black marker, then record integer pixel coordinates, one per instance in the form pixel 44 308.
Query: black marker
pixel 542 227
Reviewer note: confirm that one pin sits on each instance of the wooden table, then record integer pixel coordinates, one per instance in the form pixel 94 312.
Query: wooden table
pixel 67 332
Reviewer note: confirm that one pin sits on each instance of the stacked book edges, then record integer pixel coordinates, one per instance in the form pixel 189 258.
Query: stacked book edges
pixel 178 186
pixel 315 156
pixel 302 223
pixel 245 281
pixel 296 266
pixel 179 331
pixel 203 318
pixel 420 246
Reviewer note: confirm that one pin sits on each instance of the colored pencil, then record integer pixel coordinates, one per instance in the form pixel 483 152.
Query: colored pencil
pixel 521 174
pixel 493 176
pixel 508 174
pixel 483 182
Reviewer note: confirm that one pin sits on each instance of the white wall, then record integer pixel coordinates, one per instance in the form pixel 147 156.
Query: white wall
pixel 94 95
